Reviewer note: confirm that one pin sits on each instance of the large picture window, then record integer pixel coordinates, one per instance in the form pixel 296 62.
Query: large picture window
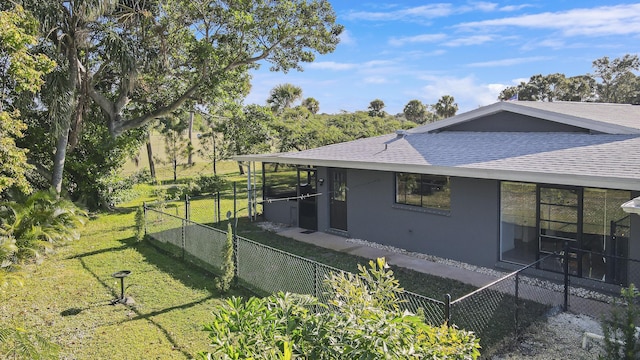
pixel 427 191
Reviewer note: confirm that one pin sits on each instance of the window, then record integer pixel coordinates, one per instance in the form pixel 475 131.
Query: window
pixel 280 180
pixel 427 191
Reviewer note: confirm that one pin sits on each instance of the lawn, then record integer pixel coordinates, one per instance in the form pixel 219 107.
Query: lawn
pixel 67 297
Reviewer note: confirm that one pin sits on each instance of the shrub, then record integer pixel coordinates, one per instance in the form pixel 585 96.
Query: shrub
pixel 210 184
pixel 223 283
pixel 40 222
pixel 620 332
pixel 362 321
pixel 140 223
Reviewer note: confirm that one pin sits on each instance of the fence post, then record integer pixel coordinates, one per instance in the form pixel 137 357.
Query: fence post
pixel 218 205
pixel 517 294
pixel 187 207
pixel 184 236
pixel 565 306
pixel 235 254
pixel 447 309
pixel 144 215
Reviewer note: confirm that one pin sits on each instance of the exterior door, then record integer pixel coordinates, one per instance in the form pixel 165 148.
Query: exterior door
pixel 338 199
pixel 307 205
pixel 559 223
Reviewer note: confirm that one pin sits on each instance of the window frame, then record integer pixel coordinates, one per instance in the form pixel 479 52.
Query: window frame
pixel 440 183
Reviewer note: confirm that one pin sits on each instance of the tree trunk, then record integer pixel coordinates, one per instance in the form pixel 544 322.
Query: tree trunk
pixel 152 166
pixel 190 147
pixel 58 161
pixel 175 170
pixel 213 136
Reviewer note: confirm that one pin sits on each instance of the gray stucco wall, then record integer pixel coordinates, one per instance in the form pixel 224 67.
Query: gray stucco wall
pixel 506 121
pixel 283 212
pixel 469 233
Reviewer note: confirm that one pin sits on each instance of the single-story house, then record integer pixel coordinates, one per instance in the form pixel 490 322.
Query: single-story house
pixel 499 186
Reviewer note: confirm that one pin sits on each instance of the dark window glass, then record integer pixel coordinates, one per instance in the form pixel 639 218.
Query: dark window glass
pixel 280 180
pixel 428 191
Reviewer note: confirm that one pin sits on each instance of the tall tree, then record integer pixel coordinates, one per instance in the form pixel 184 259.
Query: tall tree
pixel 143 60
pixel 617 84
pixel 415 111
pixel 553 87
pixel 246 132
pixel 446 107
pixel 283 96
pixel 176 146
pixel 21 75
pixel 376 108
pixel 311 104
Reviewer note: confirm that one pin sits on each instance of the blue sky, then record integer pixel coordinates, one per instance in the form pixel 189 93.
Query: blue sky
pixel 404 50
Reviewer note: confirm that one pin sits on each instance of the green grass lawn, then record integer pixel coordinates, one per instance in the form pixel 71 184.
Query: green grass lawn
pixel 67 298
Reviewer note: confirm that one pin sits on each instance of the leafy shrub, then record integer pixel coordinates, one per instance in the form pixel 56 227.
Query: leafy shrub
pixel 140 223
pixel 40 222
pixel 620 333
pixel 223 283
pixel 210 184
pixel 362 321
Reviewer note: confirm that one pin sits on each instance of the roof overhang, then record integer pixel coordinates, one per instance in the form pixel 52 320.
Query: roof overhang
pixel 457 171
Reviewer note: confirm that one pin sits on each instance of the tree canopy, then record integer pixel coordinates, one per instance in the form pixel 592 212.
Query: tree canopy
pixel 22 75
pixel 141 60
pixel 617 84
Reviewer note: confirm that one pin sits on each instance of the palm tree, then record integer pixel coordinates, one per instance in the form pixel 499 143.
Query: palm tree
pixel 445 107
pixel 283 96
pixel 375 108
pixel 311 104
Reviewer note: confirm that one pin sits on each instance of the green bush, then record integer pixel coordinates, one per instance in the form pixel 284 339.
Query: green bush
pixel 620 332
pixel 362 321
pixel 224 282
pixel 210 184
pixel 140 223
pixel 40 222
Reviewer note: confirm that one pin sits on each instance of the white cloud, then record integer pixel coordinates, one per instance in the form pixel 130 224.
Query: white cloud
pixel 471 40
pixel 426 11
pixel 424 38
pixel 423 12
pixel 331 65
pixel 599 21
pixel 346 38
pixel 466 91
pixel 508 62
pixel 509 8
pixel 375 80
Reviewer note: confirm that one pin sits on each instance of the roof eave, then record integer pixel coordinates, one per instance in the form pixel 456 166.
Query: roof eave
pixel 478 173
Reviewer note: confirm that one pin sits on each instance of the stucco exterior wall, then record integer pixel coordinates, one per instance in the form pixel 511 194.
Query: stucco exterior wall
pixel 469 232
pixel 282 212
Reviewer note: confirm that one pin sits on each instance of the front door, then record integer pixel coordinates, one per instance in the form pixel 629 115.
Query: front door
pixel 338 199
pixel 308 208
pixel 560 223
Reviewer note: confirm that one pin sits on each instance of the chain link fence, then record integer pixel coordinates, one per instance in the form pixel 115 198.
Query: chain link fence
pixel 505 306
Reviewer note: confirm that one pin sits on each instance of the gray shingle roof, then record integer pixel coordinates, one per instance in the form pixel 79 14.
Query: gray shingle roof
pixel 603 160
